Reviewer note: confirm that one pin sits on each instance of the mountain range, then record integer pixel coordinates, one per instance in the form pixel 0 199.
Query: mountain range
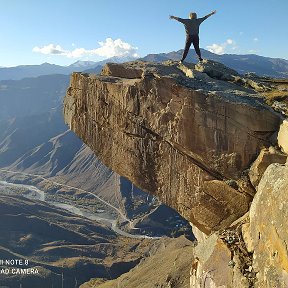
pixel 26 71
pixel 262 66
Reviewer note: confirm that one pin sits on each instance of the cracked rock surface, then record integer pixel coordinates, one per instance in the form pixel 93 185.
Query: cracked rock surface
pixel 268 227
pixel 174 132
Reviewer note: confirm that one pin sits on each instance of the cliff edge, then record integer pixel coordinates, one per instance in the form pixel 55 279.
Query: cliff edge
pixel 186 134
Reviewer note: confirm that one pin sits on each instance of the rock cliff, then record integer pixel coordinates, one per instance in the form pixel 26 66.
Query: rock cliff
pixel 268 227
pixel 253 251
pixel 187 134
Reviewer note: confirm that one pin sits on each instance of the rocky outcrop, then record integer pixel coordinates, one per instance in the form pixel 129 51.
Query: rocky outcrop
pixel 269 234
pixel 217 265
pixel 283 136
pixel 265 158
pixel 252 251
pixel 219 71
pixel 174 132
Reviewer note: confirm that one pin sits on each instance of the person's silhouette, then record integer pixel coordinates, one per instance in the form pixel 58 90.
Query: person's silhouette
pixel 192 32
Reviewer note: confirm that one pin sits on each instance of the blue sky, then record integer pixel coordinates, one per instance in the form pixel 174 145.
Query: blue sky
pixel 64 31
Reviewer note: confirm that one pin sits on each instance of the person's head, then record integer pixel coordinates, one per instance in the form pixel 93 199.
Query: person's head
pixel 193 15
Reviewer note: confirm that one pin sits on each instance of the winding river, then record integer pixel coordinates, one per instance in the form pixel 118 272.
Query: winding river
pixel 36 194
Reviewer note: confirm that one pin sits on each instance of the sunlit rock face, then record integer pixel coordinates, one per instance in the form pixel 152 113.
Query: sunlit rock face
pixel 268 228
pixel 175 132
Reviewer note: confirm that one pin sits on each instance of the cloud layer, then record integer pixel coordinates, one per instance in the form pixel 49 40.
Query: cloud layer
pixel 50 49
pixel 221 48
pixel 108 48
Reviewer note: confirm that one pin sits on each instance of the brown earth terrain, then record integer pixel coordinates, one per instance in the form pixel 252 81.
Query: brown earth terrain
pixel 60 243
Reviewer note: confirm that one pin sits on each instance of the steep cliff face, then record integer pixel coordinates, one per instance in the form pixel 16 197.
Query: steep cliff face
pixel 175 132
pixel 268 227
pixel 253 251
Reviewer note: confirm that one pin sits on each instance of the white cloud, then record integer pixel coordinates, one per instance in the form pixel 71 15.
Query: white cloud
pixel 108 48
pixel 256 39
pixel 50 49
pixel 77 53
pixel 216 48
pixel 111 48
pixel 229 41
pixel 221 48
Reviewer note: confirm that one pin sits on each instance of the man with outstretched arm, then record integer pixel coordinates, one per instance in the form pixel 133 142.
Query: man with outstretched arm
pixel 192 32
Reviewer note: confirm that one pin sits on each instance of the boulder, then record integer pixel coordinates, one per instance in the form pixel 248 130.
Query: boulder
pixel 283 136
pixel 221 72
pixel 216 70
pixel 264 159
pixel 124 71
pixel 215 265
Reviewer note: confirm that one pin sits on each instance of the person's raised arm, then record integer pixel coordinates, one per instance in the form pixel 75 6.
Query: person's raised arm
pixel 210 14
pixel 175 18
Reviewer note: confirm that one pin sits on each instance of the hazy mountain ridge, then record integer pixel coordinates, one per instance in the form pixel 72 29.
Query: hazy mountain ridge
pixel 42 145
pixel 31 96
pixel 26 71
pixel 261 65
pixel 22 134
pixel 34 138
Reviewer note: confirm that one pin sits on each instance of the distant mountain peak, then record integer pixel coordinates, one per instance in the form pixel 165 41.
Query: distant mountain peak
pixel 262 66
pixel 81 63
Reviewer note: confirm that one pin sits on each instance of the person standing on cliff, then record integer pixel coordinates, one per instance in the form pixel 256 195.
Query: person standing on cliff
pixel 192 32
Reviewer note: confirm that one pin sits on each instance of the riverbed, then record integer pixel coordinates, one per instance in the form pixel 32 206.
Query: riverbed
pixel 32 192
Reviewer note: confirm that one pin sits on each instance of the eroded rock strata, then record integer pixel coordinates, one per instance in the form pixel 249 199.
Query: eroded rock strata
pixel 175 132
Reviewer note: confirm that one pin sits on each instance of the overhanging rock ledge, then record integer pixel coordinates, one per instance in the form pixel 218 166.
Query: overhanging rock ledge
pixel 175 132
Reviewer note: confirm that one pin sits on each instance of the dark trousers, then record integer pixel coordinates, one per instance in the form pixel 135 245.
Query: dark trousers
pixel 189 40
